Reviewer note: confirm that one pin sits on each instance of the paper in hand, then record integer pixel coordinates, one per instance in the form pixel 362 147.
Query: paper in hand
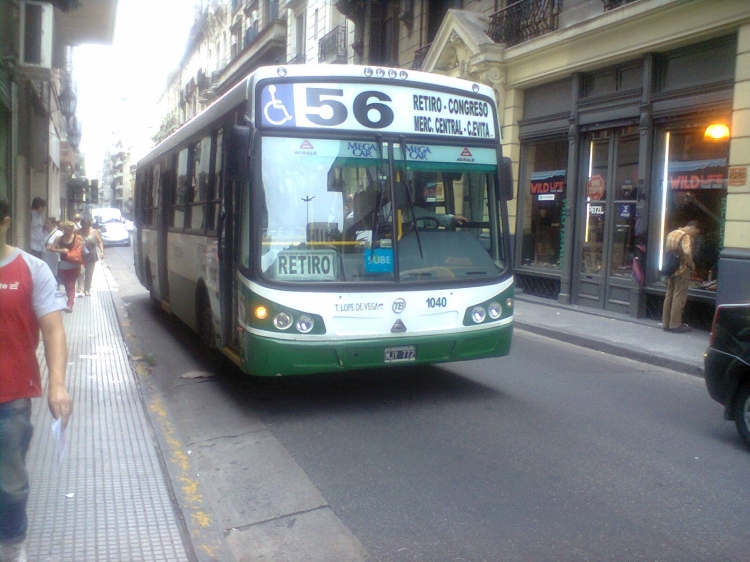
pixel 59 433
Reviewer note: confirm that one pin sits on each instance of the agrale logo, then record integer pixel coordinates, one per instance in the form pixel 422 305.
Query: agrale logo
pixel 306 148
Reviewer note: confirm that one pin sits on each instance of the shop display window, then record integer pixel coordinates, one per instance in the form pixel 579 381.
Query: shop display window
pixel 544 176
pixel 694 187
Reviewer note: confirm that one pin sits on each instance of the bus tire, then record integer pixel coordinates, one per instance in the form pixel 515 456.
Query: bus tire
pixel 206 333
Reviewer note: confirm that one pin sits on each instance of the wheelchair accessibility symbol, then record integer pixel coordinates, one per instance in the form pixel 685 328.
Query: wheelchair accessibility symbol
pixel 275 100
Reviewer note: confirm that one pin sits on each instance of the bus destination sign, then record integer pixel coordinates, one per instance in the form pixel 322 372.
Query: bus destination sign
pixel 302 264
pixel 371 107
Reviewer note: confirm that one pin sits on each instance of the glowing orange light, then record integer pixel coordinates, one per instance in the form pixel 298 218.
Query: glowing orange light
pixel 717 131
pixel 261 312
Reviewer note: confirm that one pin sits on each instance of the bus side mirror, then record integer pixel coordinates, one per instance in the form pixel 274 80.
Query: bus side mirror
pixel 238 153
pixel 505 189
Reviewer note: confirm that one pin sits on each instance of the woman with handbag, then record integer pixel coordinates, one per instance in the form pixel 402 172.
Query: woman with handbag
pixel 51 234
pixel 70 248
pixel 93 250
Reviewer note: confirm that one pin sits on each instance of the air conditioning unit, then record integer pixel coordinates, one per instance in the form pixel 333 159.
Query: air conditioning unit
pixel 35 38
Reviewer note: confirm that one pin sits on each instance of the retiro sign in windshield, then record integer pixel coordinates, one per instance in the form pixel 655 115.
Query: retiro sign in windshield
pixel 376 107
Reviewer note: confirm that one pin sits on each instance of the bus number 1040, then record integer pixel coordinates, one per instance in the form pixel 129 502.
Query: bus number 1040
pixel 440 302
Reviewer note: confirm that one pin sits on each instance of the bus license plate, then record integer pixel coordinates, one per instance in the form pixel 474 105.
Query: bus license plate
pixel 400 354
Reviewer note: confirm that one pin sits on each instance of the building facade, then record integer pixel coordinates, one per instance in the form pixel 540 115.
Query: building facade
pixel 36 139
pixel 231 38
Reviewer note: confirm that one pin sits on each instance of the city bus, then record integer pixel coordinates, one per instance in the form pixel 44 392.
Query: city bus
pixel 323 218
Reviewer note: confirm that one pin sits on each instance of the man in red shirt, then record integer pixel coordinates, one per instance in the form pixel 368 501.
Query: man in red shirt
pixel 29 302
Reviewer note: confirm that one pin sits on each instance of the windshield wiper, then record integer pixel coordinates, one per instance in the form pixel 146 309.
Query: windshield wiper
pixel 408 197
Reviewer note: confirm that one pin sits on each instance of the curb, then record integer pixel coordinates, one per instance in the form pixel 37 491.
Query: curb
pixel 204 539
pixel 613 349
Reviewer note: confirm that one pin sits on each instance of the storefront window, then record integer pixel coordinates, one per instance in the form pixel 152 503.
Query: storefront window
pixel 544 175
pixel 694 187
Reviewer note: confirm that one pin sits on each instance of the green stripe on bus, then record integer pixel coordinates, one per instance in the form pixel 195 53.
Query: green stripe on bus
pixel 264 356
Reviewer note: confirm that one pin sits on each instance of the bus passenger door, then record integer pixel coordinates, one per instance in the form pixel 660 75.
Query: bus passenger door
pixel 234 193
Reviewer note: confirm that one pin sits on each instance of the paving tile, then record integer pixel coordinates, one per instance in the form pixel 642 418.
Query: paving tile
pixel 108 500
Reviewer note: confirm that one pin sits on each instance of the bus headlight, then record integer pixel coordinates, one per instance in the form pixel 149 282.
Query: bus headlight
pixel 305 324
pixel 478 314
pixel 282 320
pixel 261 312
pixel 494 310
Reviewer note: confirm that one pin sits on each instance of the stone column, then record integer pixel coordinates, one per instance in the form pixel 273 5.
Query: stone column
pixel 734 263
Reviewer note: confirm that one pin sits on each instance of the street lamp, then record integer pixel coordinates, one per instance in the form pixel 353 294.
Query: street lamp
pixel 68 101
pixel 74 133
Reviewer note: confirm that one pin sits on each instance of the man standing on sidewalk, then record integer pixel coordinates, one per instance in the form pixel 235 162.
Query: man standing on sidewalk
pixel 36 225
pixel 29 301
pixel 677 285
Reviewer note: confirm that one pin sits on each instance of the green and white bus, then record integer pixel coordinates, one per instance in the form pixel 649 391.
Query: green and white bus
pixel 323 218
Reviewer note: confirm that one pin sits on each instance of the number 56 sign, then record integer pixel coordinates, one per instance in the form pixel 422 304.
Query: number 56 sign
pixel 373 107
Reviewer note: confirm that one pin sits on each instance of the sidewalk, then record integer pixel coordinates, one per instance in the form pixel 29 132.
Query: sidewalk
pixel 639 339
pixel 108 500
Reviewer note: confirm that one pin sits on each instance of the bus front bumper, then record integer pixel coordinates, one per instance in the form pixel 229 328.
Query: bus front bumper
pixel 262 356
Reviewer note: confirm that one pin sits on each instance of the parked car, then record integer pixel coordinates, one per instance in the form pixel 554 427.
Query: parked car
pixel 727 364
pixel 114 233
pixel 106 214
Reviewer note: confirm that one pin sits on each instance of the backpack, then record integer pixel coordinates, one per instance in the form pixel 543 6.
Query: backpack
pixel 672 259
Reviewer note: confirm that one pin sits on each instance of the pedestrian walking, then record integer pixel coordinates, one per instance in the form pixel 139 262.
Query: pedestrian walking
pixel 51 234
pixel 36 226
pixel 29 302
pixel 93 250
pixel 682 241
pixel 70 248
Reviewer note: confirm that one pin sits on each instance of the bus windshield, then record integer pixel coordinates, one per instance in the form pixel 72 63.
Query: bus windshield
pixel 341 211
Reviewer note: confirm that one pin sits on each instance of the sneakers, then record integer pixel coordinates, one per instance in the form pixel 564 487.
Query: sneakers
pixel 681 330
pixel 14 552
pixel 80 294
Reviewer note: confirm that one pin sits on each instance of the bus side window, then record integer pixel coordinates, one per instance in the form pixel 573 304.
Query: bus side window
pixel 215 186
pixel 200 182
pixel 181 191
pixel 143 203
pixel 152 197
pixel 166 188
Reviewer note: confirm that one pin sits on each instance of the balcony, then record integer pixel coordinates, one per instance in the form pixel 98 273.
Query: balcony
pixel 419 56
pixel 250 34
pixel 524 20
pixel 332 47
